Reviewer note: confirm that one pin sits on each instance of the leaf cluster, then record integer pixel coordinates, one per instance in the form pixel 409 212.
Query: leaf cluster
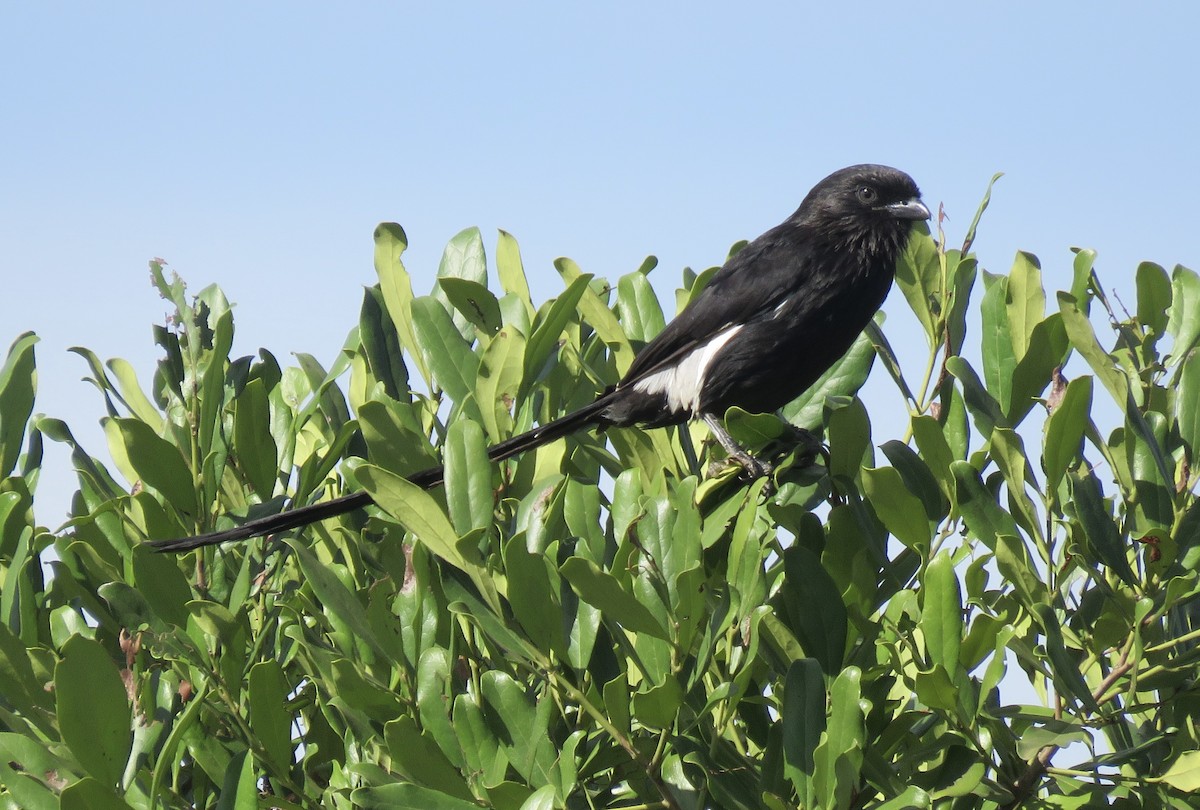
pixel 606 622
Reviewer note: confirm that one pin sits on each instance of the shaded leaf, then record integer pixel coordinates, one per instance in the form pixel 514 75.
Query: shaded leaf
pixel 18 383
pixel 93 709
pixel 601 589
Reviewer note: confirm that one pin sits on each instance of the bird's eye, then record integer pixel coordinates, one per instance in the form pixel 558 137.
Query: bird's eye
pixel 867 195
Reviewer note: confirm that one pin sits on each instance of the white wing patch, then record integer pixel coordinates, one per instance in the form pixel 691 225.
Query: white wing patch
pixel 681 383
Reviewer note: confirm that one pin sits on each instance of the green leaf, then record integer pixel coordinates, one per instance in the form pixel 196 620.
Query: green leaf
pixel 844 378
pixel 164 586
pixel 1155 486
pixel 402 796
pixel 996 668
pixel 931 442
pixel 543 341
pixel 849 438
pixel 596 312
pixel 985 519
pixel 256 451
pixel 180 727
pixel 1184 773
pixel 434 691
pixel 90 794
pixel 212 382
pixel 351 687
pixel 419 759
pixel 638 307
pixel 887 356
pixel 382 344
pixel 912 799
pixel 396 288
pixel 499 383
pixel 1051 732
pixel 531 594
pixel 24 763
pixel 984 408
pixel 838 758
pixel 934 688
pixel 987 198
pixel 394 437
pixel 1048 348
pixel 529 747
pixel 616 703
pixel 1008 451
pixel 1183 319
pixel 901 512
pixel 1065 429
pixel 1103 538
pixel 468 478
pixel 1063 662
pixel 335 597
pixel 919 277
pixel 814 608
pixel 1153 299
pixel 511 270
pixel 270 719
pixel 480 748
pixel 942 614
pixel 154 461
pixel 473 301
pixel 414 509
pixel 601 589
pixel 803 718
pixel 658 707
pixel 544 798
pixel 1026 301
pixel 963 271
pixel 463 258
pixel 18 384
pixel 17 683
pixel 94 714
pixel 918 477
pixel 1187 393
pixel 999 359
pixel 447 353
pixel 1083 338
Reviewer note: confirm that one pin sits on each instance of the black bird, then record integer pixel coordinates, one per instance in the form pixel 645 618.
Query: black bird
pixel 768 325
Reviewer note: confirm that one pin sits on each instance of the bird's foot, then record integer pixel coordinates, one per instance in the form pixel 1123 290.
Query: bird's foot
pixel 752 468
pixel 803 442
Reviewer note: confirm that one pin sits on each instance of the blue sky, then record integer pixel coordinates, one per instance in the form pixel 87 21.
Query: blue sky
pixel 258 147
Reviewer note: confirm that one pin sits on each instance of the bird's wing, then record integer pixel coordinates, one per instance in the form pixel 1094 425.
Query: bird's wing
pixel 765 272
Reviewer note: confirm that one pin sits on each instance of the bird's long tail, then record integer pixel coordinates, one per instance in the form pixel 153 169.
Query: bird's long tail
pixel 426 479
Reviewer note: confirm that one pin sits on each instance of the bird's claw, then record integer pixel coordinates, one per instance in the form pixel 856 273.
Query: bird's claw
pixel 752 468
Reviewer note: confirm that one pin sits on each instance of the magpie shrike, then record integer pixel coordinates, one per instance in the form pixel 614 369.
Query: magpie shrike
pixel 772 320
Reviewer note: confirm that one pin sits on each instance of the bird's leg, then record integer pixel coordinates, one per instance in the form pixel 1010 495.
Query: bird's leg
pixel 753 466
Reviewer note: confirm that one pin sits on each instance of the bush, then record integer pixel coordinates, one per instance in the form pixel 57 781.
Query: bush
pixel 603 623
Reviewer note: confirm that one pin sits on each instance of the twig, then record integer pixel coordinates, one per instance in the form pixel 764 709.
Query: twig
pixel 1024 787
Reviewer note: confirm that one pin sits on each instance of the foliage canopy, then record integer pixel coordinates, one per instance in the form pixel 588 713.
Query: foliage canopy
pixel 603 623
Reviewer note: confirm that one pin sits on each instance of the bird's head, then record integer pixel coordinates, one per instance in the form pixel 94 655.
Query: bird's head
pixel 868 194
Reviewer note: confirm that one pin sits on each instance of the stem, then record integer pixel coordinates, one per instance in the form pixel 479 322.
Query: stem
pixel 1025 786
pixel 926 379
pixel 625 743
pixel 1166 645
pixel 1107 777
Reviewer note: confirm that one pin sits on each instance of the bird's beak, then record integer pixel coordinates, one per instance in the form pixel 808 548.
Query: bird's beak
pixel 909 209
